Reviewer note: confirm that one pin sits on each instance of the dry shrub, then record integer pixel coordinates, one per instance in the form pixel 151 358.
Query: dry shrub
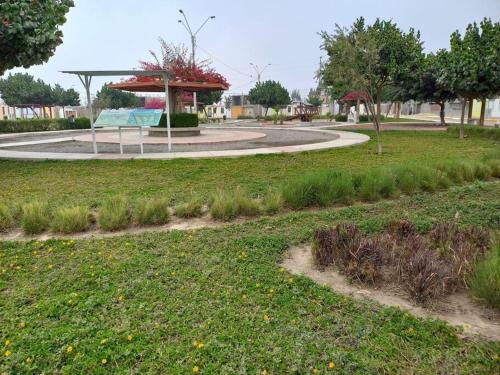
pixel 424 276
pixel 364 262
pixel 401 229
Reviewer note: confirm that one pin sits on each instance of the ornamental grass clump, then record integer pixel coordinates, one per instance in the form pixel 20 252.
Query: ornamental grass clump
pixel 71 220
pixel 319 189
pixel 6 218
pixel 272 202
pixel 35 217
pixel 485 283
pixel 114 214
pixel 152 211
pixel 228 205
pixel 376 184
pixel 192 208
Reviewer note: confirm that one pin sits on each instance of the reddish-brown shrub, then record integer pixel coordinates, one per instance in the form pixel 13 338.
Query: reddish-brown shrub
pixel 323 247
pixel 364 261
pixel 401 229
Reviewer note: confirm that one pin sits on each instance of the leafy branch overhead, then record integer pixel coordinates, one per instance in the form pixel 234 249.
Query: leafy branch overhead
pixel 29 31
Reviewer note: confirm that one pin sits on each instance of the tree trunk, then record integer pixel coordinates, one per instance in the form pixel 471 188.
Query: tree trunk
pixel 483 111
pixel 462 126
pixel 377 123
pixel 469 113
pixel 398 110
pixel 64 112
pixel 441 113
pixel 389 109
pixel 356 120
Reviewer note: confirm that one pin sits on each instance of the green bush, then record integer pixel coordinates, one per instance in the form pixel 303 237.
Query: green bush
pixel 319 189
pixel 486 280
pixel 245 117
pixel 340 117
pixel 476 131
pixel 71 220
pixel 35 217
pixel 152 211
pixel 228 205
pixel 38 125
pixel 193 208
pixel 6 218
pixel 373 185
pixel 180 120
pixel 368 118
pixel 114 214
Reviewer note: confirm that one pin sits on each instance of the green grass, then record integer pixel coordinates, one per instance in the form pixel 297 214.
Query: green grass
pixel 71 220
pixel 486 281
pixel 152 211
pixel 114 214
pixel 6 218
pixel 216 286
pixel 226 205
pixel 35 217
pixel 90 182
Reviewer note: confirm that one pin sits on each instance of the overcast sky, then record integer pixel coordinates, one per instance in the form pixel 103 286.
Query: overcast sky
pixel 115 34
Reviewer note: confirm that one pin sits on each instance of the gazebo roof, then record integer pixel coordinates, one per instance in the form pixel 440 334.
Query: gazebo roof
pixel 159 86
pixel 353 96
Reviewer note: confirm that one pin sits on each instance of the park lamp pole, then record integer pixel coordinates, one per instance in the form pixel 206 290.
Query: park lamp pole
pixel 259 73
pixel 187 26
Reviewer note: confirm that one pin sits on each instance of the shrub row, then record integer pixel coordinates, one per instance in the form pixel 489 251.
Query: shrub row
pixel 180 120
pixel 37 125
pixel 326 188
pixel 477 131
pixel 369 118
pixel 340 117
pixel 425 266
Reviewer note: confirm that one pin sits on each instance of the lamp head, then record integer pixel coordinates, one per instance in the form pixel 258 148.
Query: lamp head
pixel 181 11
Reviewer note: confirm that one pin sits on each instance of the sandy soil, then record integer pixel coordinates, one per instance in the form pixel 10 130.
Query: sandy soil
pixel 458 309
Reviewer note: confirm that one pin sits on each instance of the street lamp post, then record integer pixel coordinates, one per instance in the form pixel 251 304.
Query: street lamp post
pixel 259 73
pixel 187 26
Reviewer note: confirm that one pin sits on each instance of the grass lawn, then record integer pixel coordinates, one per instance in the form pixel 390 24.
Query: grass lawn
pixel 216 299
pixel 89 182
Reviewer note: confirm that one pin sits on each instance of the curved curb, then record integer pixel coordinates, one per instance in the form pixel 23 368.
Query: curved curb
pixel 345 139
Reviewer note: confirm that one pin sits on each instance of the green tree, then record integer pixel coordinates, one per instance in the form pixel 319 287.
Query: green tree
pixel 314 98
pixel 269 94
pixel 295 95
pixel 474 71
pixel 22 89
pixel 370 58
pixel 115 99
pixel 29 31
pixel 64 97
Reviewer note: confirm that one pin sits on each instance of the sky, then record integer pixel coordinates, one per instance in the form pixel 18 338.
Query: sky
pixel 116 34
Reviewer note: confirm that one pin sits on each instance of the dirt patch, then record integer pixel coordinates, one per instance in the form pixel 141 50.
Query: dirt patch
pixel 458 309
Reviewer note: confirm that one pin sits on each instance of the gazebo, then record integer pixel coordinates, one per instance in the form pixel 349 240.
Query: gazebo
pixel 355 96
pixel 156 81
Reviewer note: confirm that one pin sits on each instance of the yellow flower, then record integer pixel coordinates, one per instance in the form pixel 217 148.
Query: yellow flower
pixel 69 349
pixel 331 365
pixel 264 372
pixel 266 317
pixel 120 298
pixel 315 370
pixel 104 341
pixel 7 342
pixel 196 369
pixel 290 280
pixel 29 360
pixel 7 353
pixel 129 337
pixel 200 345
pixel 104 361
pixel 50 266
pixel 22 324
pixel 411 330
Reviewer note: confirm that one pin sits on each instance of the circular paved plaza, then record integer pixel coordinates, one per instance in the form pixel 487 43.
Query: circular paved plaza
pixel 213 142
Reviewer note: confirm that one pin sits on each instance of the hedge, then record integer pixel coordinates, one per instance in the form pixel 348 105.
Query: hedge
pixel 180 120
pixel 340 117
pixel 39 125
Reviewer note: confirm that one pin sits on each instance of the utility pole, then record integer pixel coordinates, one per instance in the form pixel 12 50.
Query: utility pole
pixel 259 71
pixel 187 26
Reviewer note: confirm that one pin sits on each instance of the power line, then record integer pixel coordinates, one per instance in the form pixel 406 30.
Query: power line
pixel 222 62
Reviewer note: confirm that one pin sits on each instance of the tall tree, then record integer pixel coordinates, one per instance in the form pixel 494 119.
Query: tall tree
pixel 29 31
pixel 474 71
pixel 369 58
pixel 269 94
pixel 65 98
pixel 115 99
